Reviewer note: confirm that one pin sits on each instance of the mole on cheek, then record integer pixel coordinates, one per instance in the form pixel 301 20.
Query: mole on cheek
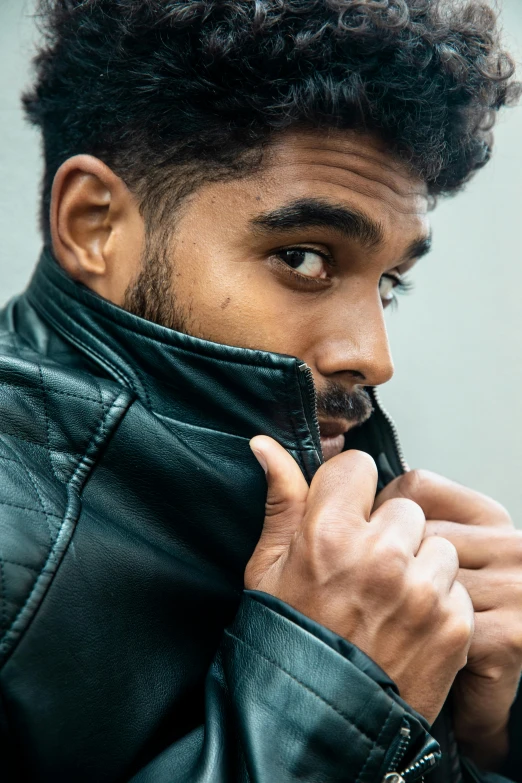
pixel 225 303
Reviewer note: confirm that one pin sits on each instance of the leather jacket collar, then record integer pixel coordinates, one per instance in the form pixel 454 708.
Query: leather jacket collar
pixel 235 390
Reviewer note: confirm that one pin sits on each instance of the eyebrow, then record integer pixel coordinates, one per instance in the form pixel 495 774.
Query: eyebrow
pixel 354 225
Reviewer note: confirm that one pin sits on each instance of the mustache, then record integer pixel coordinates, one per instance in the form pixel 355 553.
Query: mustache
pixel 335 402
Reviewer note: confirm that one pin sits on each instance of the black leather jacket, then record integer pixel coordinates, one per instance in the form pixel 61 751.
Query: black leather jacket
pixel 129 506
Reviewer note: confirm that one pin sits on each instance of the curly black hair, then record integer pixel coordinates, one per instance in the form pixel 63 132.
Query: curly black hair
pixel 201 86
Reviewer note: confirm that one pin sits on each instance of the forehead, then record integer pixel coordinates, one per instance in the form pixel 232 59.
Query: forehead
pixel 350 168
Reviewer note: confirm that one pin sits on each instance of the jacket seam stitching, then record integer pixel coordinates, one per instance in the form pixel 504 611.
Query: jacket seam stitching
pixel 39 497
pixel 9 385
pixel 38 489
pixel 156 339
pixel 377 742
pixel 64 331
pixel 34 442
pixel 306 687
pixel 123 377
pixel 28 508
pixel 100 430
pixel 241 744
pixel 17 563
pixel 47 425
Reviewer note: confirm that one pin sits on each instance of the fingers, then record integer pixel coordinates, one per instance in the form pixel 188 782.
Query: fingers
pixel 497 645
pixel 441 498
pixel 486 591
pixel 464 614
pixel 286 485
pixel 478 546
pixel 438 563
pixel 402 521
pixel 287 491
pixel 285 504
pixel 343 489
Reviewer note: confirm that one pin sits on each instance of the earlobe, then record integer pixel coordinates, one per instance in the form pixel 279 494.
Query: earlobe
pixel 93 217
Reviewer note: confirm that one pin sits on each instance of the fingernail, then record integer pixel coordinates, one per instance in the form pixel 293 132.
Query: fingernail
pixel 261 459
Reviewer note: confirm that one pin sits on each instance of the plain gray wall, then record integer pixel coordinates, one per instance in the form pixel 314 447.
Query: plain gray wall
pixel 456 395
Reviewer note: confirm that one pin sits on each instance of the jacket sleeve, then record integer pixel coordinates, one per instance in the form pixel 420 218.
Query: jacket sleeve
pixel 287 701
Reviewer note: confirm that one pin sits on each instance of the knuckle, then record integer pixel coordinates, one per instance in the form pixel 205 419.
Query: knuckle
pixel 329 544
pixel 495 674
pixel 510 642
pixel 424 601
pixel 413 482
pixel 321 547
pixel 446 551
pixel 332 472
pixel 501 512
pixel 362 459
pixel 459 631
pixel 402 508
pixel 385 564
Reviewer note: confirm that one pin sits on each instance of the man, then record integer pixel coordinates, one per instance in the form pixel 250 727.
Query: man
pixel 233 194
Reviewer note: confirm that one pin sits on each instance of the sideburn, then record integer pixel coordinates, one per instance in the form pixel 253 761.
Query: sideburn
pixel 151 295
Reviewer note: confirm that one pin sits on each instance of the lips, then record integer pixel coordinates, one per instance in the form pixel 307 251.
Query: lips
pixel 332 437
pixel 332 446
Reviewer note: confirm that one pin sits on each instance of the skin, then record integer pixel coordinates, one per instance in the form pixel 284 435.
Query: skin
pixel 490 559
pixel 371 577
pixel 230 283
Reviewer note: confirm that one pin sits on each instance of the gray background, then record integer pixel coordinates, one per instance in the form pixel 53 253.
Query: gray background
pixel 456 395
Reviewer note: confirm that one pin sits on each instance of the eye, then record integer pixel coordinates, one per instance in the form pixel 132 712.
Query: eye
pixel 392 284
pixel 306 261
pixel 386 285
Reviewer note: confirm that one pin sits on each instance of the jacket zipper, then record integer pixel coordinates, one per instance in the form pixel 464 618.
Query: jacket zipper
pixel 312 404
pixel 393 430
pixel 414 771
pixel 398 750
pixel 312 399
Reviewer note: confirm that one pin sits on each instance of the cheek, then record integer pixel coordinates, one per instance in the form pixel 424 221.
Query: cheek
pixel 241 303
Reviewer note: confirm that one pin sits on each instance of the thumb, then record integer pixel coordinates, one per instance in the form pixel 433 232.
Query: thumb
pixel 287 492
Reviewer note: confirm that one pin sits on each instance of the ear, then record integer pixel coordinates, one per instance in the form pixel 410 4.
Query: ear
pixel 96 227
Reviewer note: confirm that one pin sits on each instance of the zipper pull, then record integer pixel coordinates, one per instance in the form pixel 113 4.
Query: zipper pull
pixel 415 771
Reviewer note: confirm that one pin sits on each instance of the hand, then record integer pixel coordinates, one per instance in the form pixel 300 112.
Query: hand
pixel 370 578
pixel 490 555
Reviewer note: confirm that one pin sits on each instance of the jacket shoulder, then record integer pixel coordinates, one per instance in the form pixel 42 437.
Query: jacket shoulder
pixel 53 423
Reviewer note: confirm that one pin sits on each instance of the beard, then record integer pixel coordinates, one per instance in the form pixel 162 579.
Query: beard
pixel 336 402
pixel 151 296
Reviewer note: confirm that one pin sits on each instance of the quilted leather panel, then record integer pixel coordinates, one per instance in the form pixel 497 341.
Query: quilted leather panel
pixel 47 449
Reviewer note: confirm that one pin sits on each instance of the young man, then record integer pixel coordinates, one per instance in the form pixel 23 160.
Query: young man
pixel 230 185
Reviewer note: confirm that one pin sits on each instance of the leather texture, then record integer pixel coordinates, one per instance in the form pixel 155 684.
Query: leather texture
pixel 130 504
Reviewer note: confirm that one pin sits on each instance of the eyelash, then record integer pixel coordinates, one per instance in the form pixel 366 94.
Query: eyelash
pixel 403 284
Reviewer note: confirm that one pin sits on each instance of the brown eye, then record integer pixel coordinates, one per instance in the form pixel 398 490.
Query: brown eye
pixel 306 262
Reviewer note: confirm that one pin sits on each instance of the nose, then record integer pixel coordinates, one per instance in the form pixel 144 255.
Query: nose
pixel 355 349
